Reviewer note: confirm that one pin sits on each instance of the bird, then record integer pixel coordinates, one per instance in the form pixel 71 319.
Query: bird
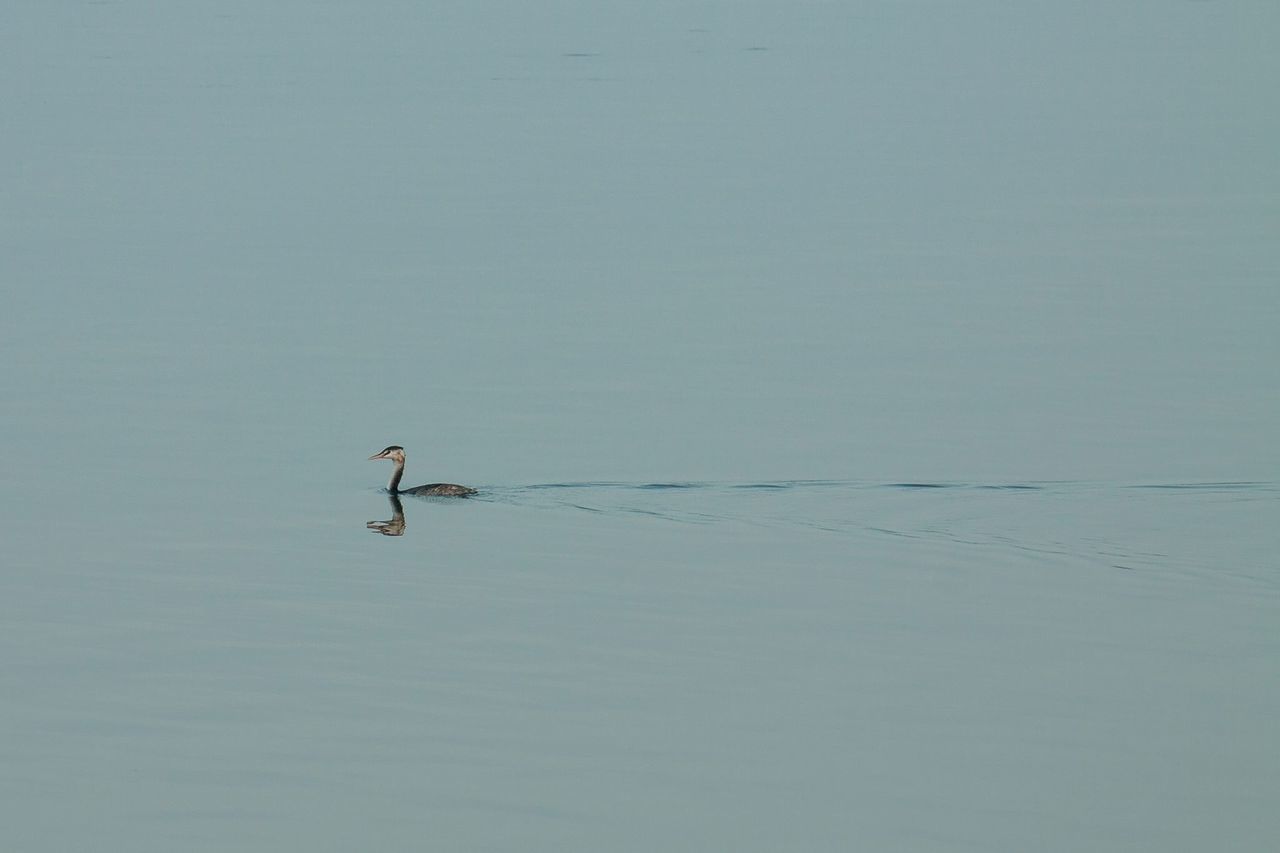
pixel 396 454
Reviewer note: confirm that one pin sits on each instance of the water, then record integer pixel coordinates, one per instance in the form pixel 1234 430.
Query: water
pixel 873 408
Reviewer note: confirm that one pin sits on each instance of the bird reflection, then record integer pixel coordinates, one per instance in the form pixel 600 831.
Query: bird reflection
pixel 393 526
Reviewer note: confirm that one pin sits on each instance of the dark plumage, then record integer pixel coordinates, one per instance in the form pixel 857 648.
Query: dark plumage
pixel 451 489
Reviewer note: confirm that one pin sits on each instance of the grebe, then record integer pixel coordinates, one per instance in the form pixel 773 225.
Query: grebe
pixel 396 454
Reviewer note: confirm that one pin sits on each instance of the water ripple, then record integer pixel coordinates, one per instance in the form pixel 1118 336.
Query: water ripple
pixel 1086 523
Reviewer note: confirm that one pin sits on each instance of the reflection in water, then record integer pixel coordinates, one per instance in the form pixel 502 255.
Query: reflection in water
pixel 393 526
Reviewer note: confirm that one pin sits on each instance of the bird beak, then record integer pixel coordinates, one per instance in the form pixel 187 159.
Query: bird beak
pixel 378 456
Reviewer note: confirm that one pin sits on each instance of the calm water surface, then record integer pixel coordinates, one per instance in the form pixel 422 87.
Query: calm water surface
pixel 873 405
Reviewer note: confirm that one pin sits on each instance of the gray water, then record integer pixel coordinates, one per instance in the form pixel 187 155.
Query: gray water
pixel 873 407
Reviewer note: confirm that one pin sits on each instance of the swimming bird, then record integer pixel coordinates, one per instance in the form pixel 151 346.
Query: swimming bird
pixel 396 454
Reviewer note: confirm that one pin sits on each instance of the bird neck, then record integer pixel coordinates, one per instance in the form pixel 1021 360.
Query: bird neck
pixel 394 485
